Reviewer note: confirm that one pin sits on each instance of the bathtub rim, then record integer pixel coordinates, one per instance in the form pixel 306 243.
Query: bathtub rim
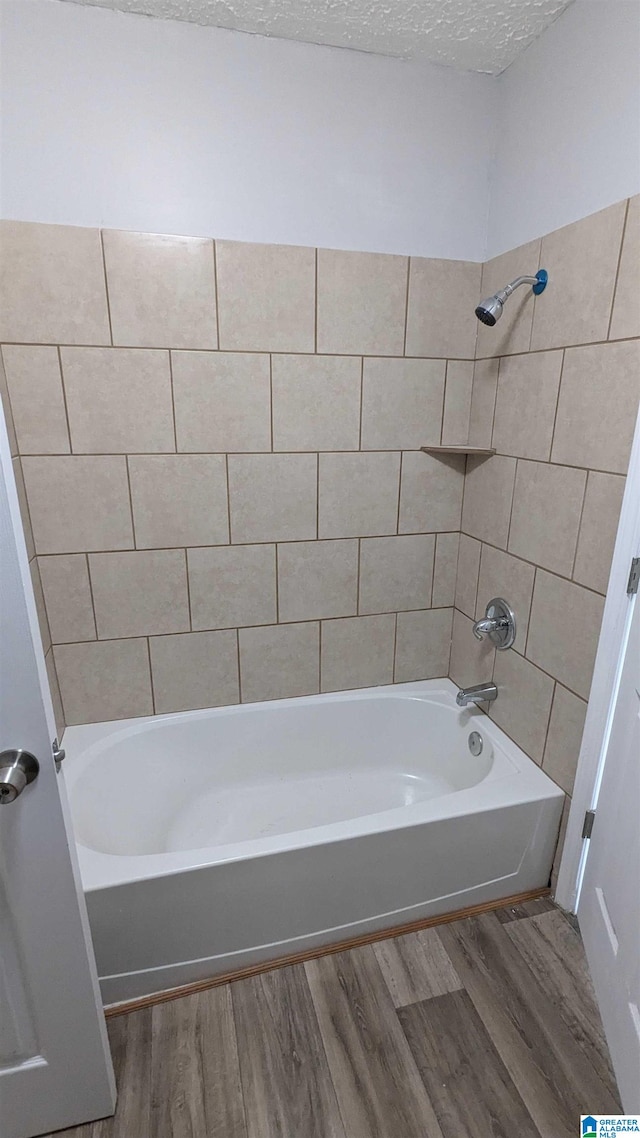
pixel 514 778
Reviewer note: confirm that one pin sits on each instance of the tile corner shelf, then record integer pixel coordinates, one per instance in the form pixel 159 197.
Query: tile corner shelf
pixel 483 452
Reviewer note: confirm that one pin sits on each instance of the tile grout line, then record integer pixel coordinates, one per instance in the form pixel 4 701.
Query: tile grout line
pixel 548 728
pixel 133 526
pixel 173 404
pixel 535 565
pixel 315 302
pixel 106 287
pixel 578 531
pixel 92 598
pixel 64 400
pixel 238 664
pixel 617 274
pixel 406 309
pixel 555 416
pixel 151 684
pixel 215 286
pixel 361 405
pixel 186 573
pixel 310 354
pixel 272 447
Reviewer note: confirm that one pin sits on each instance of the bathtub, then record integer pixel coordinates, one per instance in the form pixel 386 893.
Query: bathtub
pixel 213 840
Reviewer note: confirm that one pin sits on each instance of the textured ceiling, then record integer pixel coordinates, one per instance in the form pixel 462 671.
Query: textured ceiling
pixel 471 35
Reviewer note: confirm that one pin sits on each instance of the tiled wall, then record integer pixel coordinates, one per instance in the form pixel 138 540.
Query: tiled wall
pixel 556 391
pixel 219 443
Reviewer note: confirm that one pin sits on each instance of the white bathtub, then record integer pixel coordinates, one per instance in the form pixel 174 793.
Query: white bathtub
pixel 212 840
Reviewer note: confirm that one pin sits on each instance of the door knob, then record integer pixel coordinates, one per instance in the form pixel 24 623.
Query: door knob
pixel 17 769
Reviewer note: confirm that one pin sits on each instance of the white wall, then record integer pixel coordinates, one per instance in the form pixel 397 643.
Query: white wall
pixel 568 141
pixel 133 123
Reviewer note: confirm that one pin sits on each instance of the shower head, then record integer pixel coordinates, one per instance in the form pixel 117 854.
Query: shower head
pixel 489 311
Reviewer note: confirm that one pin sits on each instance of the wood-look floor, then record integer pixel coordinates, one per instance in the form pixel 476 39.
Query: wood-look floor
pixel 486 1026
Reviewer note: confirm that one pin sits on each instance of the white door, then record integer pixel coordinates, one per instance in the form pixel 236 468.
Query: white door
pixel 609 908
pixel 55 1067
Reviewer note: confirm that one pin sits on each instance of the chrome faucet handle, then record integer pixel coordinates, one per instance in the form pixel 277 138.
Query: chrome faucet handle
pixel 485 626
pixel 498 623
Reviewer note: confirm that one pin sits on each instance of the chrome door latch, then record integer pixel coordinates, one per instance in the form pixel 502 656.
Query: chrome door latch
pixel 58 753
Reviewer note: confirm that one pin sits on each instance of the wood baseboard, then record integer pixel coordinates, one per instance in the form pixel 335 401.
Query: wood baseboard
pixel 313 953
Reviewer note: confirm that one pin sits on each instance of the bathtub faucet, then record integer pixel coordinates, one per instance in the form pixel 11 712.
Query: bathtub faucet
pixel 480 693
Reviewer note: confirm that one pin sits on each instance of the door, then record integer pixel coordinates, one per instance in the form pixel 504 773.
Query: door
pixel 609 908
pixel 55 1067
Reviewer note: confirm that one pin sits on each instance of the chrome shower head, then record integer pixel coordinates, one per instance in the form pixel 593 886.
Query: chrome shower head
pixel 489 311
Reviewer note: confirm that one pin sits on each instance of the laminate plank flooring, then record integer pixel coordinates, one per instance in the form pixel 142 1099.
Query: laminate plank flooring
pixel 486 1025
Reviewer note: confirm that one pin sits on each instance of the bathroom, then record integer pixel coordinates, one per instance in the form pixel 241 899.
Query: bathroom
pixel 319 556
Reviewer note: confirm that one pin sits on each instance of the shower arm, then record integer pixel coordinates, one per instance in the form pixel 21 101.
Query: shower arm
pixel 508 289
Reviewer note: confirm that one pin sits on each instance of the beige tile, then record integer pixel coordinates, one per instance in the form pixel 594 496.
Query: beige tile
pixel 430 492
pixel 139 594
pixel 266 296
pixel 104 680
pixel 358 494
pixel 401 403
pixel 52 287
pixel 357 652
pixel 581 259
pixel 483 401
pixel 564 628
pixel 5 409
pixel 273 497
pixel 444 570
pixel 54 691
pixel 467 574
pixel 423 644
pixel 625 320
pixel 361 303
pixel 279 662
pixel 233 585
pixel 502 575
pixel 222 401
pixel 513 331
pixel 179 499
pixel 316 403
pixel 488 490
pixel 67 593
pixel 194 669
pixel 396 573
pixel 565 737
pixel 547 504
pixel 41 609
pixel 599 395
pixel 471 660
pixel 526 404
pixel 118 400
pixel 25 514
pixel 442 297
pixel 79 503
pixel 457 402
pixel 37 403
pixel 317 579
pixel 524 702
pixel 598 529
pixel 162 291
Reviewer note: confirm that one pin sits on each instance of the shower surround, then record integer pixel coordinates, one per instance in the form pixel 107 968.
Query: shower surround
pixel 220 450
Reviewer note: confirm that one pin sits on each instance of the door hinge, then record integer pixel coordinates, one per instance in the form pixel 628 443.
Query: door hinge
pixel 634 577
pixel 587 827
pixel 58 753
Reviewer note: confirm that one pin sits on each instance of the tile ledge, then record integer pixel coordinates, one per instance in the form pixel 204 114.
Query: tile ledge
pixel 485 452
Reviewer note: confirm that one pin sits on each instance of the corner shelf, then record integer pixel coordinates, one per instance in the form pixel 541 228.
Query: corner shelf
pixel 482 452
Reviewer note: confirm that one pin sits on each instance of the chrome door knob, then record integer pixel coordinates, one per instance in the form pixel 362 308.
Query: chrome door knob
pixel 17 770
